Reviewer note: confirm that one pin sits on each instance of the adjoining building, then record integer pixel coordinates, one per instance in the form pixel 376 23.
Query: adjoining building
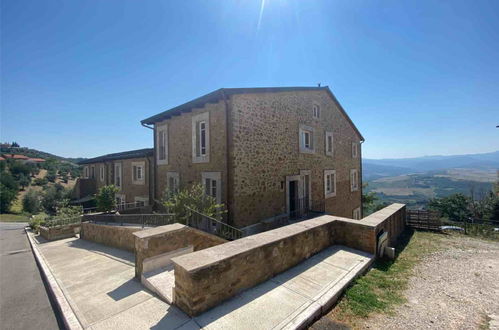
pixel 263 152
pixel 130 171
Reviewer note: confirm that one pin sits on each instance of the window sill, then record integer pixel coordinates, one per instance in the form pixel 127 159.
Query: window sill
pixel 205 159
pixel 329 195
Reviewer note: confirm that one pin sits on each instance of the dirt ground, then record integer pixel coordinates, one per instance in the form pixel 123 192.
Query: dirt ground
pixel 455 288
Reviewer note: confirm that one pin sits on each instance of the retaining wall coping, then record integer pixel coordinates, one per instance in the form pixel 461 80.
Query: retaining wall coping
pixel 156 231
pixel 378 217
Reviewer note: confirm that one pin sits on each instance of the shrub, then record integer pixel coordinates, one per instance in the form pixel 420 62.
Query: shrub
pixel 8 191
pixel 194 198
pixel 40 181
pixel 106 198
pixel 31 202
pixel 35 223
pixel 54 197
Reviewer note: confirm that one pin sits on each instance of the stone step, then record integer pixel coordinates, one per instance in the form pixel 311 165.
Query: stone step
pixel 161 281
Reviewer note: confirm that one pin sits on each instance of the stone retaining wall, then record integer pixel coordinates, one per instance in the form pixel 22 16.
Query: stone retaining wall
pixel 205 278
pixel 59 232
pixel 120 237
pixel 164 239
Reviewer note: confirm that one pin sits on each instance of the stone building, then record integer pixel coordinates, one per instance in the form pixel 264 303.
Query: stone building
pixel 130 171
pixel 263 152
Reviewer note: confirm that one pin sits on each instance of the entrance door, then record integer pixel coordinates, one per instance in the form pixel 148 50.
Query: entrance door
pixel 306 192
pixel 293 198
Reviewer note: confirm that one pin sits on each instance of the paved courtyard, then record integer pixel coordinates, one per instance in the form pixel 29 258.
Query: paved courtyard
pixel 99 284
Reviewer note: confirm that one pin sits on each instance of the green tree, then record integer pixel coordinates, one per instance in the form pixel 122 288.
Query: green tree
pixel 15 145
pixel 455 207
pixel 371 202
pixel 31 202
pixel 195 198
pixel 106 198
pixel 17 169
pixel 53 198
pixel 24 181
pixel 8 191
pixel 40 181
pixel 51 175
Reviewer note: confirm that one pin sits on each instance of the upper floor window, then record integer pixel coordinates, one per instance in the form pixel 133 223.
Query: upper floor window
pixel 354 180
pixel 306 139
pixel 316 111
pixel 329 183
pixel 212 185
pixel 201 138
pixel 92 172
pixel 85 172
pixel 355 149
pixel 162 144
pixel 101 173
pixel 329 143
pixel 117 175
pixel 138 175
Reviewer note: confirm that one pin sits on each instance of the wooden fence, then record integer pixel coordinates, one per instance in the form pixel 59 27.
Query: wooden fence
pixel 423 219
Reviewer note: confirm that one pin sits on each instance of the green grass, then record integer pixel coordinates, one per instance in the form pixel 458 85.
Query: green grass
pixel 382 288
pixel 8 217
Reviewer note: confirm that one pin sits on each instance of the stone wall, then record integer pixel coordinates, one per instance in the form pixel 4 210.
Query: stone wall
pixel 205 278
pixel 265 149
pixel 160 240
pixel 120 237
pixel 59 232
pixel 180 149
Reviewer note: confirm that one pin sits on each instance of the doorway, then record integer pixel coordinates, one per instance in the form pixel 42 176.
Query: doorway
pixel 293 198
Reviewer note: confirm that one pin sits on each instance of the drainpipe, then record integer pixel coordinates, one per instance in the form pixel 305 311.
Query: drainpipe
pixel 152 170
pixel 228 163
pixel 360 179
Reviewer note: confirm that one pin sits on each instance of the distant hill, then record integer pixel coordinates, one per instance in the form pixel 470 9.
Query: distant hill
pixel 378 168
pixel 33 153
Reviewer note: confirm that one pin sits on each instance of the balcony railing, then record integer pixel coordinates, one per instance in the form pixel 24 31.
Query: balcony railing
pixel 211 225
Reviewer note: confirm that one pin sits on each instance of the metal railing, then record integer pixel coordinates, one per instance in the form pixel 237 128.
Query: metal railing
pixel 129 206
pixel 304 208
pixel 50 223
pixel 144 220
pixel 211 225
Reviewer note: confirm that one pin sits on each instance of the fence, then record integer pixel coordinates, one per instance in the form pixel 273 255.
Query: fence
pixel 477 227
pixel 119 207
pixel 424 219
pixel 62 222
pixel 144 220
pixel 211 225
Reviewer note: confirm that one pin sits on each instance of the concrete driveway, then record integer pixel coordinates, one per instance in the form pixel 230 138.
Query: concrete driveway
pixel 24 303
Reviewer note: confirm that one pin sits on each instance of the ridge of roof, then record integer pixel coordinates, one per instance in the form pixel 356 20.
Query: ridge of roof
pixel 119 155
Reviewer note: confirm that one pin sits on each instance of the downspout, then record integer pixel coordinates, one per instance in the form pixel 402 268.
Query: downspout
pixel 361 182
pixel 152 170
pixel 228 163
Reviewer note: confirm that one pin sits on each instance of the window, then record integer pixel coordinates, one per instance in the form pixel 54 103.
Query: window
pixel 172 182
pixel 306 139
pixel 355 151
pixel 120 200
pixel 85 172
pixel 141 201
pixel 101 173
pixel 356 213
pixel 354 180
pixel 212 185
pixel 138 175
pixel 200 138
pixel 117 175
pixel 329 144
pixel 162 144
pixel 92 172
pixel 329 183
pixel 317 111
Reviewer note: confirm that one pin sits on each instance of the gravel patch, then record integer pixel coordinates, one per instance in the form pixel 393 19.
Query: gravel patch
pixel 456 288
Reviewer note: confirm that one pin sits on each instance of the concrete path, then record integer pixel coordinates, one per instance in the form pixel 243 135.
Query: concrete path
pixel 24 303
pixel 100 286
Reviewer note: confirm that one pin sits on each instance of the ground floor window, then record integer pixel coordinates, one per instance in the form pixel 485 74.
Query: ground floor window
pixel 356 214
pixel 172 182
pixel 141 201
pixel 329 183
pixel 212 185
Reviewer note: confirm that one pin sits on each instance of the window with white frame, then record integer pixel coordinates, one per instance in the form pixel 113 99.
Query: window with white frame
pixel 306 139
pixel 117 175
pixel 92 172
pixel 316 110
pixel 85 172
pixel 329 143
pixel 138 175
pixel 162 144
pixel 329 183
pixel 101 173
pixel 201 138
pixel 212 185
pixel 172 182
pixel 141 201
pixel 355 149
pixel 356 213
pixel 354 180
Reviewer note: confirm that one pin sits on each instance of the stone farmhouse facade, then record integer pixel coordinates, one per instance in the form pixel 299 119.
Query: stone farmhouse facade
pixel 130 171
pixel 262 152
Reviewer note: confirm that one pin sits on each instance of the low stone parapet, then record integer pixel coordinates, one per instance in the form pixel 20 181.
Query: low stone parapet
pixel 203 279
pixel 120 237
pixel 156 246
pixel 59 232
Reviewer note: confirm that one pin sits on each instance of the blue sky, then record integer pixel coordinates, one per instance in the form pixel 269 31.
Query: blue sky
pixel 417 77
